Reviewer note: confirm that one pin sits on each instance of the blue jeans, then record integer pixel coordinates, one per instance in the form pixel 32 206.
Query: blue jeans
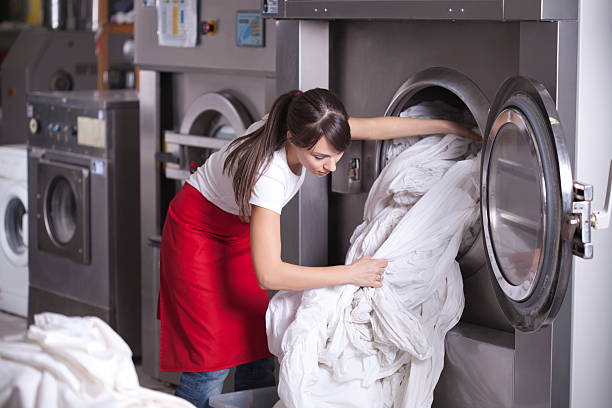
pixel 198 388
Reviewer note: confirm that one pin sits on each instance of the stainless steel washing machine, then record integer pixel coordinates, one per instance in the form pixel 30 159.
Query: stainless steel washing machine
pixel 84 221
pixel 515 67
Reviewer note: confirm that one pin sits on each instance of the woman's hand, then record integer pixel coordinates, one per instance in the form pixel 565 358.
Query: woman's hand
pixel 367 271
pixel 463 130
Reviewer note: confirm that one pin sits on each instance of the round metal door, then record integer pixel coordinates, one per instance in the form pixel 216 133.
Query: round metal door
pixel 218 115
pixel 210 122
pixel 14 228
pixel 63 210
pixel 526 192
pixel 456 89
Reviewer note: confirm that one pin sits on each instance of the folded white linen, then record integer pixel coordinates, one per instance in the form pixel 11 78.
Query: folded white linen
pixel 65 361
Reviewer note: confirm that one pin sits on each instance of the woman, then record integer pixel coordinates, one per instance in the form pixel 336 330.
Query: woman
pixel 221 240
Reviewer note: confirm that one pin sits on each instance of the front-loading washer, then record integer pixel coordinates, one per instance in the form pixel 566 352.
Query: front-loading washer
pixel 14 229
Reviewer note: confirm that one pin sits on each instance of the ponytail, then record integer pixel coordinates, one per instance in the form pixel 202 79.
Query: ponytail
pixel 309 116
pixel 253 151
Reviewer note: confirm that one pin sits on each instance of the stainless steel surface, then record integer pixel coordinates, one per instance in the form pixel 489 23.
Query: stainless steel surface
pixel 551 10
pixel 478 369
pixel 287 67
pixel 499 10
pixel 70 14
pixel 43 60
pixel 582 213
pixel 214 53
pixel 601 217
pixel 537 108
pixel 150 220
pixel 104 214
pixel 195 141
pixel 548 52
pixel 304 220
pixel 392 10
pixel 591 354
pixel 210 123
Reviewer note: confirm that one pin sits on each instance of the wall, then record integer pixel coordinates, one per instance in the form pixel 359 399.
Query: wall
pixel 592 328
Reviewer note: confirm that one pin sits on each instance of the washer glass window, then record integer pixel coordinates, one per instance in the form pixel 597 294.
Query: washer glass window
pixel 13 225
pixel 225 132
pixel 516 207
pixel 61 212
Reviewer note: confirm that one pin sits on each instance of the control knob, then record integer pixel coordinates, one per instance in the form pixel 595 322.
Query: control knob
pixel 33 125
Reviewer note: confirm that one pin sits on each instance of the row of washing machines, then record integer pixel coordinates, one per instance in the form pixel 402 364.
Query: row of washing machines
pixel 69 204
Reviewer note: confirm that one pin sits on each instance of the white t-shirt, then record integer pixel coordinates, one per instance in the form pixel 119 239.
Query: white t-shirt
pixel 274 188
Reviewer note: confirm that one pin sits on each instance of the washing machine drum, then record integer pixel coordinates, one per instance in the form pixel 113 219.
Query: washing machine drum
pixel 14 224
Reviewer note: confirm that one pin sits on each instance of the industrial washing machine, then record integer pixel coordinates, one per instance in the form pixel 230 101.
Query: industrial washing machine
pixel 14 229
pixel 193 100
pixel 532 333
pixel 84 225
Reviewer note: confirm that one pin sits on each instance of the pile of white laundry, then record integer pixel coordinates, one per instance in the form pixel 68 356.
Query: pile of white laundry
pixel 65 361
pixel 347 346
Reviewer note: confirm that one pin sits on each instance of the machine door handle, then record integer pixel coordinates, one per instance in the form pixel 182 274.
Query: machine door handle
pixel 583 218
pixel 601 219
pixel 167 158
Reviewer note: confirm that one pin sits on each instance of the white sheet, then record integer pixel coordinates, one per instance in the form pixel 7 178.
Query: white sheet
pixel 65 361
pixel 347 346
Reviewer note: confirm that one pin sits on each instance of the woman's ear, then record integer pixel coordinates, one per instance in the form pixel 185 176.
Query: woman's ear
pixel 289 135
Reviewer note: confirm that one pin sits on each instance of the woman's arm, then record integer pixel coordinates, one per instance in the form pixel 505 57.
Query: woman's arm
pixel 392 127
pixel 272 273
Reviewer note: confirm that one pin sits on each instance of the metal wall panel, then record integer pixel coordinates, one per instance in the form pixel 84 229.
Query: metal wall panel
pixel 393 10
pixel 496 10
pixel 592 328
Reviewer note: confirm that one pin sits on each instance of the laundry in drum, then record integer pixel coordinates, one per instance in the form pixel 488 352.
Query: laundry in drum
pixel 384 347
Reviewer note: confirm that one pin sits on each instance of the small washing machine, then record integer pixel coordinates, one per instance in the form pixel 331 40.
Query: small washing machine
pixel 14 229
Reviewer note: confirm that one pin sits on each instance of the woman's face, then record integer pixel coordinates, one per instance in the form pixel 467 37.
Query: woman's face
pixel 321 159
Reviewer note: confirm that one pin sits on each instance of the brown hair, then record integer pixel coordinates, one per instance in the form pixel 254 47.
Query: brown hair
pixel 308 116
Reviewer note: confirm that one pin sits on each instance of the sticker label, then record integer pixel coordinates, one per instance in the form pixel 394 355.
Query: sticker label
pixel 270 8
pixel 148 3
pixel 98 167
pixel 177 23
pixel 91 132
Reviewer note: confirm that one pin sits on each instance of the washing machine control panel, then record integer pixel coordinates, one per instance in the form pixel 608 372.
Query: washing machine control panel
pixel 67 128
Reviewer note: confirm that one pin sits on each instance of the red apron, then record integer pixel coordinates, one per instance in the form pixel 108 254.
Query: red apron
pixel 211 308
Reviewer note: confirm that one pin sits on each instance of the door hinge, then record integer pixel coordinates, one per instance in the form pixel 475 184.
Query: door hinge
pixel 579 223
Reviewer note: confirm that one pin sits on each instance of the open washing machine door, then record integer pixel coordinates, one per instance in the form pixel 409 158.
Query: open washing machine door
pixel 211 122
pixel 534 215
pixel 14 276
pixel 14 223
